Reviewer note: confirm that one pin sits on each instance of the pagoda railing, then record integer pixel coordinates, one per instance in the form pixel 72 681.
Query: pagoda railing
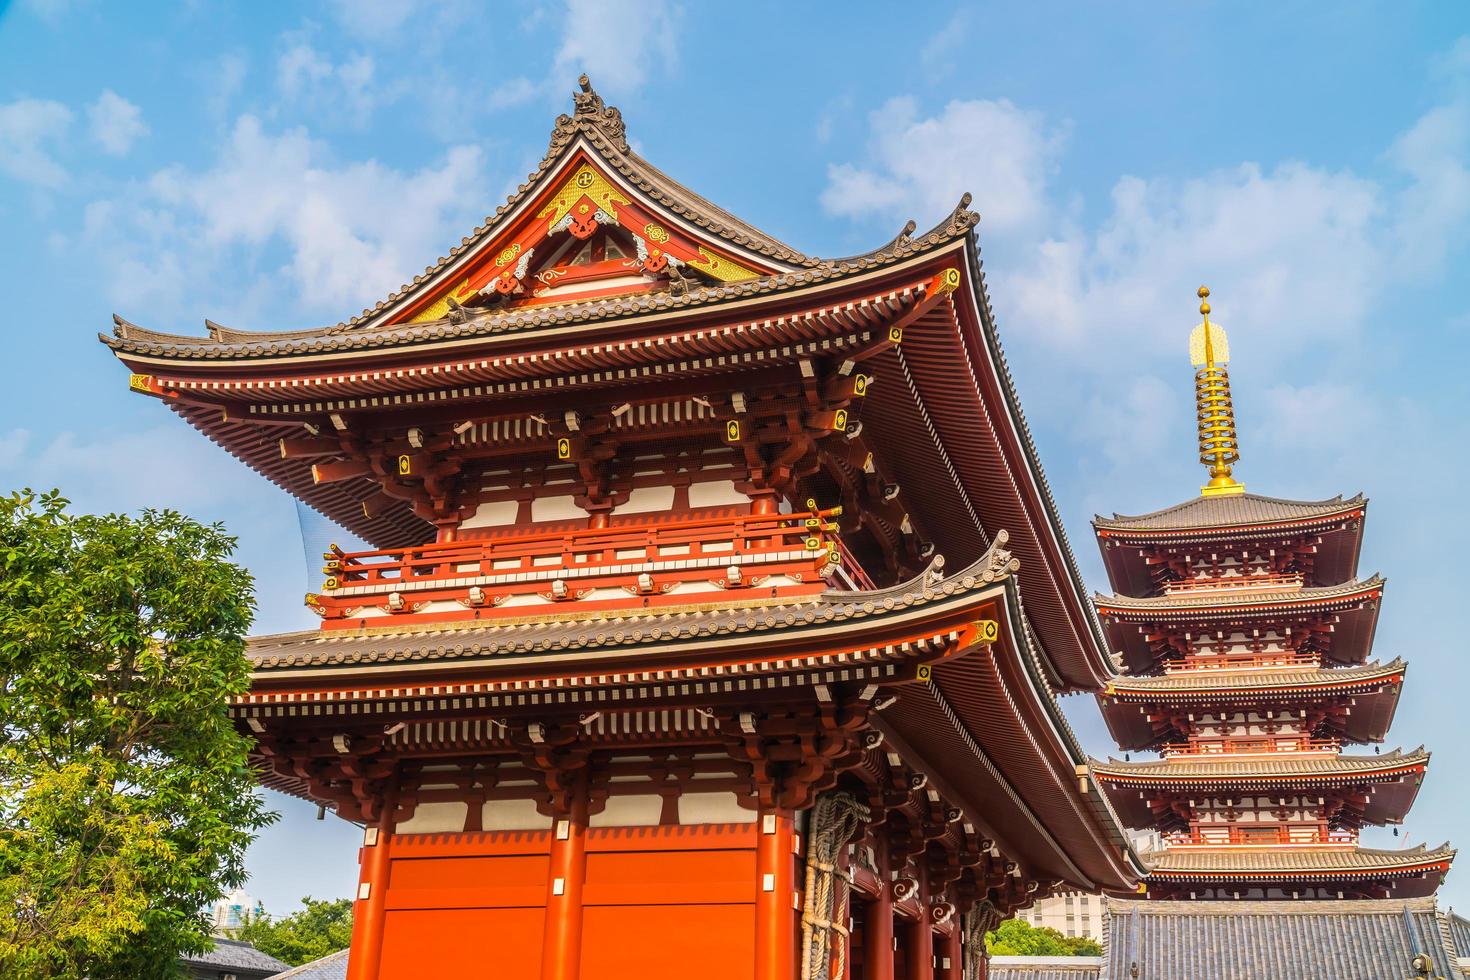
pixel 1240 661
pixel 635 564
pixel 1262 836
pixel 1259 745
pixel 1251 582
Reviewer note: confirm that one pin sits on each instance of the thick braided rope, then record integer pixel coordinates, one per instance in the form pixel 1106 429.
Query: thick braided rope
pixel 834 820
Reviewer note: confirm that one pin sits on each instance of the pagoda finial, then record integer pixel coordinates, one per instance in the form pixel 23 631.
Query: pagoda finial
pixel 1209 351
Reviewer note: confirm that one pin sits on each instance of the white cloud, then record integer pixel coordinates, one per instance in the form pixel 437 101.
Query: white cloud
pixel 509 94
pixel 116 123
pixel 919 167
pixel 29 130
pixel 376 18
pixel 1292 252
pixel 596 40
pixel 1433 153
pixel 344 234
pixel 346 88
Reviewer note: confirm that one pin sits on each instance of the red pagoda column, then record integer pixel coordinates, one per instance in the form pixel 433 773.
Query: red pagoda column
pixel 918 944
pixel 775 913
pixel 562 941
pixel 953 964
pixel 372 895
pixel 878 925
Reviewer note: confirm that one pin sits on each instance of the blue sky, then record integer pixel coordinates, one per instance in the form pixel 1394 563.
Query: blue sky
pixel 278 166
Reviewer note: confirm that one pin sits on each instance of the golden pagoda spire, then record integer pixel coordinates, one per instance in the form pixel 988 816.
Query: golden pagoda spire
pixel 1209 350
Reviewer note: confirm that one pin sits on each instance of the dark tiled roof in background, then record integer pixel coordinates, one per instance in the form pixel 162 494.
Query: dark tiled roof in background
pixel 1044 967
pixel 1322 940
pixel 231 954
pixel 330 967
pixel 1224 511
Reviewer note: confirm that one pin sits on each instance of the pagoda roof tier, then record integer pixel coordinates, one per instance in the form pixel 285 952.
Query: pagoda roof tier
pixel 1231 518
pixel 1374 689
pixel 1394 775
pixel 1352 605
pixel 924 642
pixel 1301 865
pixel 914 313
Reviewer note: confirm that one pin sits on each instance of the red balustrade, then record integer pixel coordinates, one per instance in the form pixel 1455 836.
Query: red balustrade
pixel 1253 582
pixel 643 563
pixel 1252 745
pixel 1235 835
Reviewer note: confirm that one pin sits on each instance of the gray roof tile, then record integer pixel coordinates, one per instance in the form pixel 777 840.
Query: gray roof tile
pixel 1228 511
pixel 1319 940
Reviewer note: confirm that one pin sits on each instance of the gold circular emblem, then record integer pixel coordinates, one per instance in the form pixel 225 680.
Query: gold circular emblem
pixel 585 179
pixel 656 233
pixel 508 253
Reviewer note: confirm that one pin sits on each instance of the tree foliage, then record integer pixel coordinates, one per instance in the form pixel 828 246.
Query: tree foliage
pixel 318 929
pixel 1017 938
pixel 126 800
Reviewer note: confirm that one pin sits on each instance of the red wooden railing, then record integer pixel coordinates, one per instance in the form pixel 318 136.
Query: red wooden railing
pixel 1252 582
pixel 1237 661
pixel 643 560
pixel 1252 745
pixel 1274 834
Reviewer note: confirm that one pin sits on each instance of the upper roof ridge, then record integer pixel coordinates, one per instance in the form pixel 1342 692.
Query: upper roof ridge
pixel 589 111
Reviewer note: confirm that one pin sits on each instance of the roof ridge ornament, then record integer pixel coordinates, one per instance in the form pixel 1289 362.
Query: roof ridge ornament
pixel 590 112
pixel 1209 351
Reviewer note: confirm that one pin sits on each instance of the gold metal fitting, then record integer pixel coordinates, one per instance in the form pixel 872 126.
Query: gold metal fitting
pixel 1219 450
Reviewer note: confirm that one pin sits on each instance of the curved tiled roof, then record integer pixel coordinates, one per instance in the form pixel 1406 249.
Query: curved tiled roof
pixel 232 955
pixel 1279 940
pixel 129 338
pixel 1044 967
pixel 1221 598
pixel 1223 512
pixel 1291 862
pixel 600 128
pixel 1281 764
pixel 333 966
pixel 627 629
pixel 1254 679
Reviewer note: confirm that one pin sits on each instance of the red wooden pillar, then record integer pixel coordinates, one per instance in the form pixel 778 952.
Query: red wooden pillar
pixel 775 906
pixel 370 911
pixel 878 924
pixel 561 944
pixel 918 940
pixel 952 955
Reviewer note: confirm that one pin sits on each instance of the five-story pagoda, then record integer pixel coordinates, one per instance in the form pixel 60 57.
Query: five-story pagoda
pixel 1244 630
pixel 717 601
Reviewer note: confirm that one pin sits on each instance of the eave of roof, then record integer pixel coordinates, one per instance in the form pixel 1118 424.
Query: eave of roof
pixel 147 347
pixel 1221 601
pixel 1236 513
pixel 573 640
pixel 1252 682
pixel 1268 862
pixel 1277 768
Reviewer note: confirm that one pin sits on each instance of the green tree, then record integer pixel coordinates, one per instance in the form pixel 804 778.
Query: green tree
pixel 126 798
pixel 1017 938
pixel 316 930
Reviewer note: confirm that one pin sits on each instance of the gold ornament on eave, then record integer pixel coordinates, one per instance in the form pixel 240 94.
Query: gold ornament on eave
pixel 1209 351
